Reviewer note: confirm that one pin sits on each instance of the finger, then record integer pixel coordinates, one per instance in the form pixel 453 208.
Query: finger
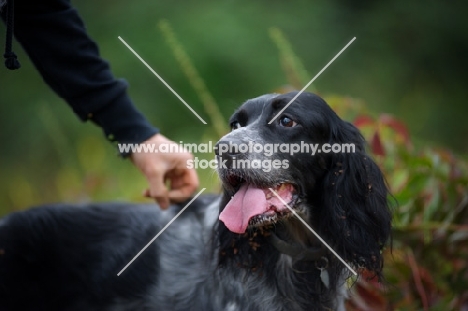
pixel 183 186
pixel 163 202
pixel 157 188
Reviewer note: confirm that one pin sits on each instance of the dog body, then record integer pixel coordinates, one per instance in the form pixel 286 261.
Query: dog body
pixel 259 256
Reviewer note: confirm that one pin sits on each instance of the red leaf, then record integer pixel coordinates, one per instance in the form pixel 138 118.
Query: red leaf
pixel 366 296
pixel 363 120
pixel 396 125
pixel 376 145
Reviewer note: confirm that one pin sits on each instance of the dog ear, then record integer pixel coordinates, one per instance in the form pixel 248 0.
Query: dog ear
pixel 354 212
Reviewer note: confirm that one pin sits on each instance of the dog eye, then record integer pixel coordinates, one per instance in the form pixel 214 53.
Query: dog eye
pixel 235 125
pixel 287 122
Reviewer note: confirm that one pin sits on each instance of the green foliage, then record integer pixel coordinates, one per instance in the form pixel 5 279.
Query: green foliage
pixel 295 72
pixel 427 269
pixel 209 104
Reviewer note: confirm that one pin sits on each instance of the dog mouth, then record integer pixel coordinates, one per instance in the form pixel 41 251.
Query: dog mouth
pixel 254 205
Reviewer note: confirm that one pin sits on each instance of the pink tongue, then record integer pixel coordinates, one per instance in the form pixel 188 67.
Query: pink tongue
pixel 246 203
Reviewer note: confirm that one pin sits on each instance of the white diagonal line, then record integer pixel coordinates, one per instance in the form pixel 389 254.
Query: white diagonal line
pixel 162 230
pixel 313 231
pixel 313 79
pixel 162 80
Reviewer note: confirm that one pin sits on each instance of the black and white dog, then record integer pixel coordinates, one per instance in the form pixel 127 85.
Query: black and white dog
pixel 259 256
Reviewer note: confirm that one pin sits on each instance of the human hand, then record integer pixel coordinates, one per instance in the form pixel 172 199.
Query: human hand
pixel 161 167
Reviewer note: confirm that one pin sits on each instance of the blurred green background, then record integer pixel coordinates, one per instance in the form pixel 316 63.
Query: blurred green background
pixel 409 59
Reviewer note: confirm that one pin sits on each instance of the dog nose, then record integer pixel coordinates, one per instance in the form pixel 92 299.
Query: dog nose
pixel 228 148
pixel 228 152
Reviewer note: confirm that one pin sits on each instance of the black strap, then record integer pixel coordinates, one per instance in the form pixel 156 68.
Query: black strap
pixel 11 60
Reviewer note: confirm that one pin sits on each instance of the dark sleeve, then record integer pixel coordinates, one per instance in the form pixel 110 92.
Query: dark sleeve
pixel 54 36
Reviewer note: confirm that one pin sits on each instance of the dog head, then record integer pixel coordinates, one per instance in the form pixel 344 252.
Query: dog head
pixel 309 161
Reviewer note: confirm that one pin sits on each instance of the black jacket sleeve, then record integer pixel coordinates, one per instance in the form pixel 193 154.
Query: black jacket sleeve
pixel 55 38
